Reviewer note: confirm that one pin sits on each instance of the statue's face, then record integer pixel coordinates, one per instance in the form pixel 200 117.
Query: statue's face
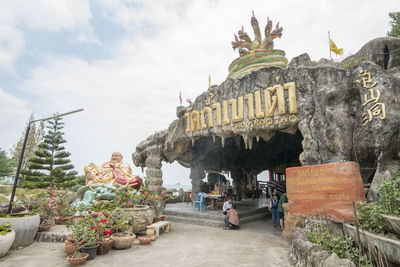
pixel 116 156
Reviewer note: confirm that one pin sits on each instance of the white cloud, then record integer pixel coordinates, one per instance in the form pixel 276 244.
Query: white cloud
pixel 14 114
pixel 40 15
pixel 134 93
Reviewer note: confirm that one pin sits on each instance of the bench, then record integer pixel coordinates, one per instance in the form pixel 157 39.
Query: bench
pixel 161 224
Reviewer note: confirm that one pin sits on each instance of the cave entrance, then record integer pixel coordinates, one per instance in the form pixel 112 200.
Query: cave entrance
pixel 244 161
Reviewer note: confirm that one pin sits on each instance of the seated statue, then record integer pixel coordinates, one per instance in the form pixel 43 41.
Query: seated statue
pixel 114 171
pixel 103 181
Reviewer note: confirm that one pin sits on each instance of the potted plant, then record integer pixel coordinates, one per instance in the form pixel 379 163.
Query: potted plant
pixel 120 222
pixel 157 201
pixel 44 205
pixel 91 245
pixel 103 235
pixel 78 235
pixel 7 237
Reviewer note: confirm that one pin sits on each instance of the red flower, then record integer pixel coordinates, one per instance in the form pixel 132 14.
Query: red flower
pixel 126 195
pixel 103 220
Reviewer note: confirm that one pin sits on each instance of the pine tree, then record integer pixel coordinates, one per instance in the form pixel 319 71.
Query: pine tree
pixel 5 164
pixel 35 136
pixel 395 23
pixel 51 165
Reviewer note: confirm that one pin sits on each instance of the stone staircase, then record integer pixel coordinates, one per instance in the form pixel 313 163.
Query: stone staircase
pixel 185 213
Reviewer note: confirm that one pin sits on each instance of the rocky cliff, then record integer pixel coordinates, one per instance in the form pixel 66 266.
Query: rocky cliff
pixel 307 113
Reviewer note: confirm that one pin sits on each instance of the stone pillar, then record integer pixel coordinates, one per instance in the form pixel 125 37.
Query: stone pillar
pixel 237 179
pixel 243 186
pixel 196 174
pixel 153 172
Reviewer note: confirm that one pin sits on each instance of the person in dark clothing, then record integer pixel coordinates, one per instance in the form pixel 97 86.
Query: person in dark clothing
pixel 281 211
pixel 273 203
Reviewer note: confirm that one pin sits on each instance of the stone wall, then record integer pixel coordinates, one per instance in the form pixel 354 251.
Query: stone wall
pixel 303 253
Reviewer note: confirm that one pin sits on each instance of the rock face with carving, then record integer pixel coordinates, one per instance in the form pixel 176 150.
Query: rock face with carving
pixel 304 114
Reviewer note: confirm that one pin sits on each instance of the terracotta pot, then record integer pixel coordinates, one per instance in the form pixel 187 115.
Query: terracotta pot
pixel 121 241
pixel 145 240
pixel 92 251
pixel 63 220
pixel 78 260
pixel 104 247
pixel 70 247
pixel 159 218
pixel 44 227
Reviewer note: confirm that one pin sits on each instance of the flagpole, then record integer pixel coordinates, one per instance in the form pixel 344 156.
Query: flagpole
pixel 329 38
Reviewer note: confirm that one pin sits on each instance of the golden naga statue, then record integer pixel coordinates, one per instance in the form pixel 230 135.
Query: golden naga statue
pixel 114 171
pixel 246 45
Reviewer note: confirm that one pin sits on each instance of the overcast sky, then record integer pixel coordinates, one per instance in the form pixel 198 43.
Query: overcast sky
pixel 125 62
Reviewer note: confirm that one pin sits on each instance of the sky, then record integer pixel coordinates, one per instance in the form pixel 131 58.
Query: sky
pixel 125 62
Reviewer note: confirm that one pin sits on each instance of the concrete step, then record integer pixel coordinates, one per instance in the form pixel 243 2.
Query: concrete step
pixel 197 221
pixel 211 222
pixel 211 216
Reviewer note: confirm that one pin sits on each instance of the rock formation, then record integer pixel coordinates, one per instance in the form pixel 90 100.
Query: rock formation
pixel 307 113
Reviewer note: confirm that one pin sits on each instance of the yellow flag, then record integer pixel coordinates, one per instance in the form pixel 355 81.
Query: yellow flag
pixel 337 51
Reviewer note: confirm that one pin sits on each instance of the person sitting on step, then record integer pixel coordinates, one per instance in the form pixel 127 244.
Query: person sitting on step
pixel 227 205
pixel 232 219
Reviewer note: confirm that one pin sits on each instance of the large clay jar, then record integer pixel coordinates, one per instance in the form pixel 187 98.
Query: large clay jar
pixel 142 216
pixel 25 228
pixel 6 241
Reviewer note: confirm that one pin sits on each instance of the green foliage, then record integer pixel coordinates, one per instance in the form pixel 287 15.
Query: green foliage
pixel 35 136
pixel 352 62
pixel 5 228
pixel 343 246
pixel 389 195
pixel 50 165
pixel 80 180
pixel 6 165
pixel 395 24
pixel 119 220
pixel 388 203
pixel 369 217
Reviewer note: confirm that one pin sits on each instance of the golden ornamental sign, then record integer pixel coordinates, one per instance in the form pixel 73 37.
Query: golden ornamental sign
pixel 261 107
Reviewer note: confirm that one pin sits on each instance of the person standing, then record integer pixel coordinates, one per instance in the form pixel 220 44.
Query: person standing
pixel 281 211
pixel 273 203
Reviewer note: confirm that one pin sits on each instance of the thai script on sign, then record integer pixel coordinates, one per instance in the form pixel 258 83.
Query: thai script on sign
pixel 232 111
pixel 371 98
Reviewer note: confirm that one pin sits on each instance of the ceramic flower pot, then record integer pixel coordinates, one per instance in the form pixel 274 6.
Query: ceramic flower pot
pixel 6 241
pixel 145 240
pixel 70 247
pixel 104 247
pixel 25 227
pixel 78 259
pixel 122 241
pixel 91 250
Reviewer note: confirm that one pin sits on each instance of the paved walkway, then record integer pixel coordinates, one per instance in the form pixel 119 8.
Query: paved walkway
pixel 255 244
